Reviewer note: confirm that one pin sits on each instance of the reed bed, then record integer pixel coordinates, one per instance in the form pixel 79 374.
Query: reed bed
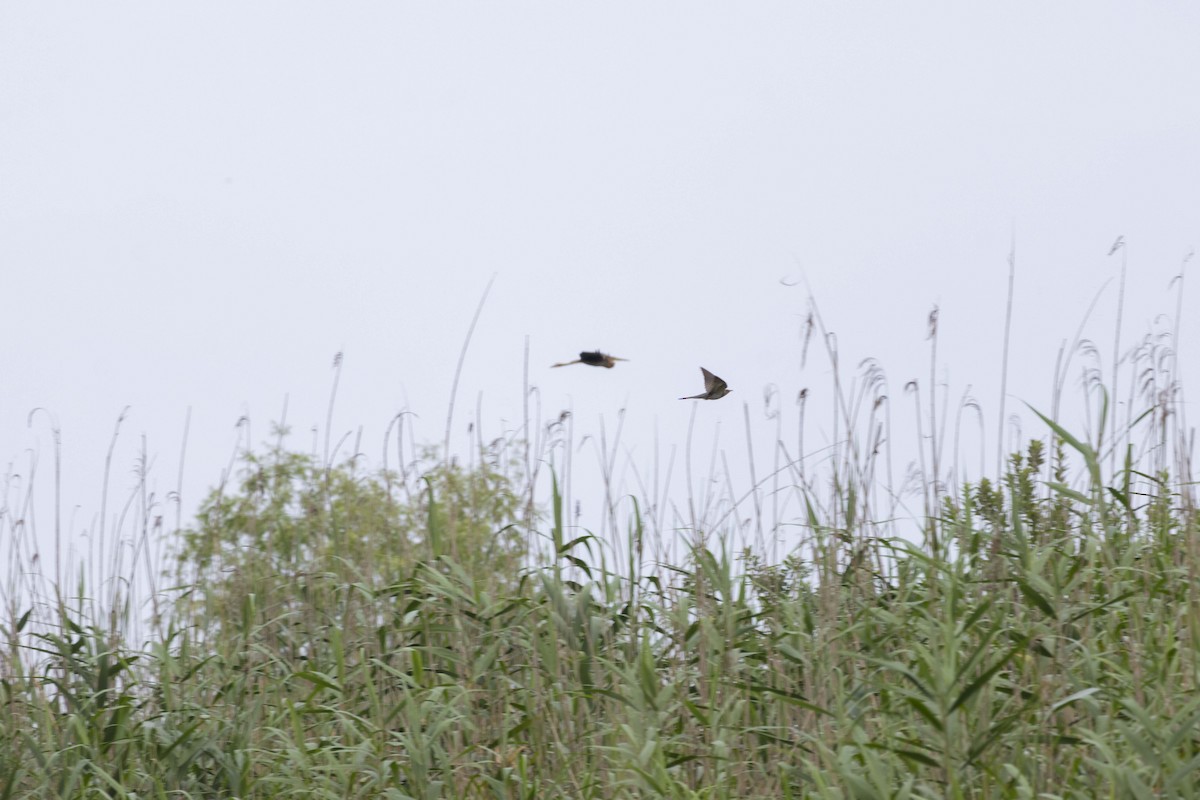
pixel 1031 634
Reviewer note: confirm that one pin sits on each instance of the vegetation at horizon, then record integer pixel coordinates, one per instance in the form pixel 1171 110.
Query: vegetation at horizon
pixel 445 629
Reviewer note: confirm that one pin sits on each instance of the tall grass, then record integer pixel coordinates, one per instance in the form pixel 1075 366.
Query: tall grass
pixel 1030 634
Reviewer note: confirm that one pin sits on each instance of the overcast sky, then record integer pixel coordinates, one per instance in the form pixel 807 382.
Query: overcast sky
pixel 201 203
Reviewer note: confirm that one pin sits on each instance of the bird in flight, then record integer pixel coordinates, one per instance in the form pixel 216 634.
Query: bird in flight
pixel 593 359
pixel 714 388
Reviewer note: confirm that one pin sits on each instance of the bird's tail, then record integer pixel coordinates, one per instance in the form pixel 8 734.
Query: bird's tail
pixel 567 363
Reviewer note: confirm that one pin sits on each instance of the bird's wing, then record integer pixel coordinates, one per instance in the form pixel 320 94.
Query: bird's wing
pixel 712 382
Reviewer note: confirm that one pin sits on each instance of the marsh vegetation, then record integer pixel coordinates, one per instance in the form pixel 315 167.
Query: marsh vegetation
pixel 449 628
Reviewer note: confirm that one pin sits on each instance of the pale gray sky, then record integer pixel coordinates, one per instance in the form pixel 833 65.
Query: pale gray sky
pixel 200 203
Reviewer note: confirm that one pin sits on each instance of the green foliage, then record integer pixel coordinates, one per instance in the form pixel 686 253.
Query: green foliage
pixel 290 517
pixel 352 634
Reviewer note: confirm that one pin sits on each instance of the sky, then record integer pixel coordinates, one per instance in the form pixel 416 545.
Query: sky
pixel 201 204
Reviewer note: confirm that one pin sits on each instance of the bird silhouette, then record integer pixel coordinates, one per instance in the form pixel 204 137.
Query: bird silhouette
pixel 714 388
pixel 593 359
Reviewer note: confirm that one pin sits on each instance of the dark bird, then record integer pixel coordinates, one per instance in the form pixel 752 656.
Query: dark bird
pixel 596 359
pixel 714 388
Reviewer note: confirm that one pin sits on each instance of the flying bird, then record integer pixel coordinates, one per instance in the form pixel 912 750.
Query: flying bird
pixel 593 359
pixel 714 388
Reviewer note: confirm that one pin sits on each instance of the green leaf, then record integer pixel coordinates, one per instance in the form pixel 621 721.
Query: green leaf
pixel 1037 598
pixel 1066 701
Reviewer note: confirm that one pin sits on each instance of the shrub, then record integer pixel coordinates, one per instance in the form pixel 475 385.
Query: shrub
pixel 290 517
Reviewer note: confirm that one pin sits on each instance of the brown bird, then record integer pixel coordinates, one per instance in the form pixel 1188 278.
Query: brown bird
pixel 714 388
pixel 594 359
